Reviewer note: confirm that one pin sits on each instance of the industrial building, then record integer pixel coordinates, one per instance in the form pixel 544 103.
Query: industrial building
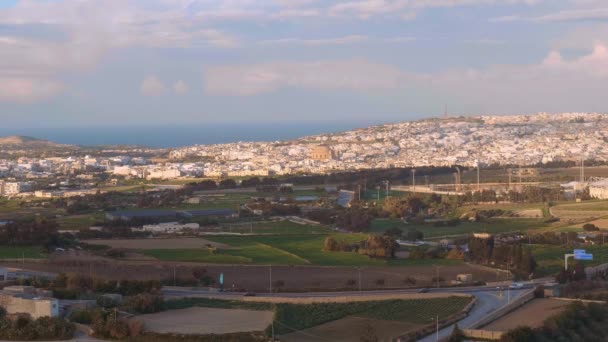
pixel 167 215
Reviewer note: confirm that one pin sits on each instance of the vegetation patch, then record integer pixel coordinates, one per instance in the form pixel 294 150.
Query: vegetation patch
pixel 293 317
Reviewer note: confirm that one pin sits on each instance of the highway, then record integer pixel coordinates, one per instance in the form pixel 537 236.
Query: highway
pixel 487 302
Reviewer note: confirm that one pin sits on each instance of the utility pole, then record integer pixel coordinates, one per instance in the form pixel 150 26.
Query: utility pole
pixel 414 179
pixel 478 185
pixel 582 169
pixel 270 281
pixel 359 269
pixel 437 330
pixel 387 186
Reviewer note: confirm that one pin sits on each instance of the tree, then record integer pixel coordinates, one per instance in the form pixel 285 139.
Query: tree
pixel 228 184
pixel 590 227
pixel 330 244
pixel 521 334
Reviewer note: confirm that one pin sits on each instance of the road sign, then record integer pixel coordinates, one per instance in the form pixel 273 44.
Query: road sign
pixel 583 256
pixel 579 251
pixel 221 278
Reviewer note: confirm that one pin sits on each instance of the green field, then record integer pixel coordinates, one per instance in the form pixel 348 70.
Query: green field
pixel 464 228
pixel 587 205
pixel 285 250
pixel 11 252
pixel 550 259
pixel 278 227
pixel 195 255
pixel 77 222
pixel 292 317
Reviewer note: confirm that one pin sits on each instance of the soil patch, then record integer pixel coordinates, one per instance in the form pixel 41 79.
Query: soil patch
pixel 200 320
pixel 351 329
pixel 533 314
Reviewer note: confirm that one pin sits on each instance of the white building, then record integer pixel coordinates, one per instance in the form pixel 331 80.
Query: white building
pixel 169 227
pixel 13 188
pixel 599 189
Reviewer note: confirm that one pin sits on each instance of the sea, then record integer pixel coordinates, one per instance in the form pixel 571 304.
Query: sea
pixel 176 135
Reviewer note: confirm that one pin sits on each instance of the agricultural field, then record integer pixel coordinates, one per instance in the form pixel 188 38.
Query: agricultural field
pixel 157 244
pixel 275 227
pixel 18 252
pixel 338 321
pixel 200 320
pixel 550 259
pixel 77 222
pixel 581 211
pixel 464 228
pixel 532 314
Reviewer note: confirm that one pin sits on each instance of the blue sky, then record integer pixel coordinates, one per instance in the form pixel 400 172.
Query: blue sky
pixel 86 62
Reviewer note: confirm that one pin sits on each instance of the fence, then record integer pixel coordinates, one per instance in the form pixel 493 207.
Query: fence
pixel 482 334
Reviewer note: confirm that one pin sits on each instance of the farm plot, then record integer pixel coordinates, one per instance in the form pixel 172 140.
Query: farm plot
pixel 171 243
pixel 199 320
pixel 351 329
pixel 533 314
pixel 340 319
pixel 431 231
pixel 18 252
pixel 591 209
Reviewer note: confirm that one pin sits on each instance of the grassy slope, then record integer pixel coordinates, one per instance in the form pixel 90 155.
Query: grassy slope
pixel 490 226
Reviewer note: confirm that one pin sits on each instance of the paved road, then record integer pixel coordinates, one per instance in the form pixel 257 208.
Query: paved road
pixel 487 302
pixel 171 291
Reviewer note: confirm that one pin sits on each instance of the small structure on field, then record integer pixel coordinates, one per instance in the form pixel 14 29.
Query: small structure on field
pixel 29 300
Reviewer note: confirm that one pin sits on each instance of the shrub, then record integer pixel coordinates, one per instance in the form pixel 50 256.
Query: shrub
pixel 81 316
pixel 590 227
pixel 144 303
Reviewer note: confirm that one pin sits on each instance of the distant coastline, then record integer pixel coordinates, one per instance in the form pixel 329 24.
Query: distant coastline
pixel 177 135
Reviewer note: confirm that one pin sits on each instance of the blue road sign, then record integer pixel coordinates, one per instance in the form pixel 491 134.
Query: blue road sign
pixel 579 251
pixel 583 257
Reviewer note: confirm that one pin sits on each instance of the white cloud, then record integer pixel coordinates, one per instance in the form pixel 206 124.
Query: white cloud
pixel 407 9
pixel 246 80
pixel 555 82
pixel 180 87
pixel 352 39
pixel 152 86
pixel 24 90
pixel 575 14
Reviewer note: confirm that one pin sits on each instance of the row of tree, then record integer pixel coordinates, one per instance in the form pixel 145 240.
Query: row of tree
pixel 514 256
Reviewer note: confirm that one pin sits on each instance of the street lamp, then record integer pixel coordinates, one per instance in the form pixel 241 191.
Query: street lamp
pixel 436 319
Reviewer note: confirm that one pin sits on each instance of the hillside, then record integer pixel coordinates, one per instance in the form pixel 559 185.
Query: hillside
pixel 23 142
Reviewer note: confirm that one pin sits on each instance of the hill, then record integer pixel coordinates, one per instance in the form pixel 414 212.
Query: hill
pixel 23 142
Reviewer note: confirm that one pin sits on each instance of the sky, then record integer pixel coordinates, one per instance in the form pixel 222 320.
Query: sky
pixel 71 63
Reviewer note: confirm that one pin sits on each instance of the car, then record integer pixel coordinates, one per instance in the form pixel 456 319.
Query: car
pixel 249 294
pixel 516 286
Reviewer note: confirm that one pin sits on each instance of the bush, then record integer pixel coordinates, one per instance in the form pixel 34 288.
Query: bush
pixel 81 316
pixel 143 303
pixel 590 227
pixel 45 328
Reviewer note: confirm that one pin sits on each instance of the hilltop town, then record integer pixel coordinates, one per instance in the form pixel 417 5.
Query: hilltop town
pixel 464 141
